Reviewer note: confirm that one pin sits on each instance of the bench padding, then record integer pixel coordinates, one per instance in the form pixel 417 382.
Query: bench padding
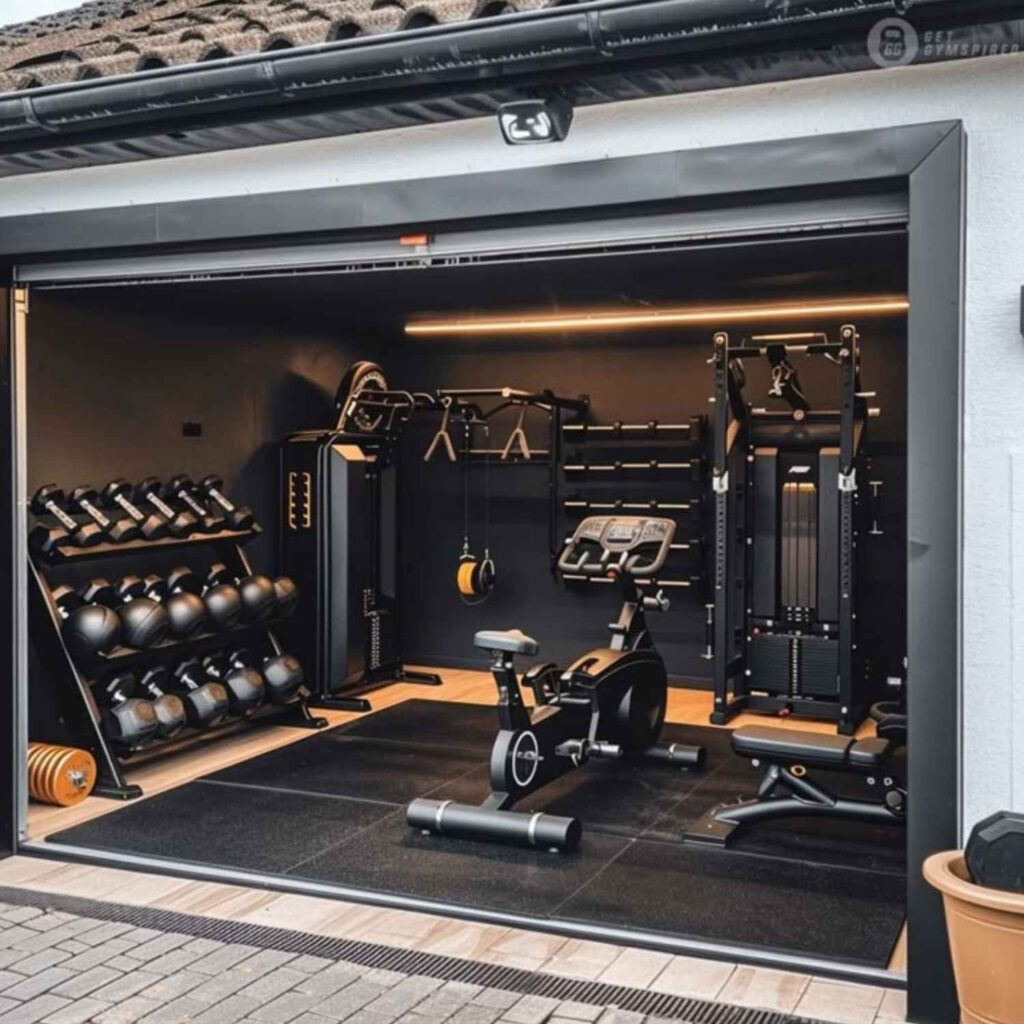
pixel 791 746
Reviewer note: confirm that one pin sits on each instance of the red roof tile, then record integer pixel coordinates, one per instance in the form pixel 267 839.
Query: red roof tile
pixel 117 37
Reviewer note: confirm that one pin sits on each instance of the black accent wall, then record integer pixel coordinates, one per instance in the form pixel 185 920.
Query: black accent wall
pixel 115 373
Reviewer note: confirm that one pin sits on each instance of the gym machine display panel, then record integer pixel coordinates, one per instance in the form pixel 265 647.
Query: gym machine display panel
pixel 783 627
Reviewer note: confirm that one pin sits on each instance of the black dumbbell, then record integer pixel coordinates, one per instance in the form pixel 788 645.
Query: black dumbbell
pixel 49 500
pixel 286 594
pixel 223 603
pixel 241 517
pixel 118 494
pixel 89 630
pixel 118 531
pixel 245 686
pixel 169 707
pixel 185 608
pixel 180 488
pixel 179 524
pixel 128 720
pixel 284 675
pixel 259 593
pixel 206 700
pixel 145 623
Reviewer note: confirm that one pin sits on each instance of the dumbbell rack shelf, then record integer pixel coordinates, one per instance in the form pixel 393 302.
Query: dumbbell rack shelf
pixel 67 553
pixel 74 683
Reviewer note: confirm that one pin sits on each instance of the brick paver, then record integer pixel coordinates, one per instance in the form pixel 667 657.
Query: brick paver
pixel 56 968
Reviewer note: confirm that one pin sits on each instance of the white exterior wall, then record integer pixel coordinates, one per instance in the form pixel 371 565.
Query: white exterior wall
pixel 985 94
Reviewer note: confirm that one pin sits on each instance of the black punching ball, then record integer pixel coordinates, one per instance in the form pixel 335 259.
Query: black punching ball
pixel 995 852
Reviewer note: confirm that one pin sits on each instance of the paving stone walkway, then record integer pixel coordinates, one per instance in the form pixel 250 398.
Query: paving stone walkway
pixel 58 968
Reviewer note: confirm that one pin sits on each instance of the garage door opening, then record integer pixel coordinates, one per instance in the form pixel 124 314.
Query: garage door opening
pixel 175 381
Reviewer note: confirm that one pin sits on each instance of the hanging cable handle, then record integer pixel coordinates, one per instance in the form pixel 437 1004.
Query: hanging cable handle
pixel 475 577
pixel 443 436
pixel 518 439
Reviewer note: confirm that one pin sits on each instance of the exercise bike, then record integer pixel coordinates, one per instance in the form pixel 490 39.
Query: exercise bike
pixel 610 703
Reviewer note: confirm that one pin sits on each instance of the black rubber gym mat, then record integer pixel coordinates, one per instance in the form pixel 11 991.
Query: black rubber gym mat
pixel 391 857
pixel 331 808
pixel 341 764
pixel 734 897
pixel 246 828
pixel 445 724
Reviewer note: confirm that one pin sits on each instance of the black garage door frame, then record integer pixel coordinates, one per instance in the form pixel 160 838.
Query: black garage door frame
pixel 927 161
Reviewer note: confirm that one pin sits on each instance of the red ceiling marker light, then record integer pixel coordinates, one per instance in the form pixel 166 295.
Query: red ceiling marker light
pixel 613 320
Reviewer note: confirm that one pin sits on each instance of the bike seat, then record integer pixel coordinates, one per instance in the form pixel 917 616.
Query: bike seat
pixel 512 640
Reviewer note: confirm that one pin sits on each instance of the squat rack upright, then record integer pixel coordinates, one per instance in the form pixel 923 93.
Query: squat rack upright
pixel 747 554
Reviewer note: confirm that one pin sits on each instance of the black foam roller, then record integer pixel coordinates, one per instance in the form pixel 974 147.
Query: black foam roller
pixel 464 821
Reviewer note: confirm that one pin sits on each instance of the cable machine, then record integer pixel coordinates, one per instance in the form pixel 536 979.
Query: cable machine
pixel 782 631
pixel 340 536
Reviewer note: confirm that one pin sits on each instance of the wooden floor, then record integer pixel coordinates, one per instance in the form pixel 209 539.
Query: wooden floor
pixel 685 707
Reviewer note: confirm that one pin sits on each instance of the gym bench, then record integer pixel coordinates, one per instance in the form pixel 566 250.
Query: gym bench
pixel 787 789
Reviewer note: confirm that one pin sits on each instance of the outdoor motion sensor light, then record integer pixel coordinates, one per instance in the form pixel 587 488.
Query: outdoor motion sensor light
pixel 527 122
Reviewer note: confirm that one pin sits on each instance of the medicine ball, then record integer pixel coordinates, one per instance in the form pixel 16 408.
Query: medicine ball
pixel 995 852
pixel 258 597
pixel 91 630
pixel 144 623
pixel 187 614
pixel 224 605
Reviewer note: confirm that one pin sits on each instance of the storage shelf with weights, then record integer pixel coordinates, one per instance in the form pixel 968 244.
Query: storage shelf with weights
pixel 154 664
pixel 636 468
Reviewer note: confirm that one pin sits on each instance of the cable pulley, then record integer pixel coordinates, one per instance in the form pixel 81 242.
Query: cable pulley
pixel 475 577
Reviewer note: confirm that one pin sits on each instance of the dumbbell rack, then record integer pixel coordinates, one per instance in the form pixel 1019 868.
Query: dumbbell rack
pixel 649 468
pixel 74 684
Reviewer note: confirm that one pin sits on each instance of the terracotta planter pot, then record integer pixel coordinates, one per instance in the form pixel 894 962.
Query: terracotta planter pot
pixel 986 939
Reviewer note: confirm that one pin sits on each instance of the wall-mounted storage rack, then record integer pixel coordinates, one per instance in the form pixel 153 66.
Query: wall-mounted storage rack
pixel 75 683
pixel 652 467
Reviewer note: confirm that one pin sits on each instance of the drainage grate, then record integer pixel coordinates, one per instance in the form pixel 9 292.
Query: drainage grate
pixel 373 955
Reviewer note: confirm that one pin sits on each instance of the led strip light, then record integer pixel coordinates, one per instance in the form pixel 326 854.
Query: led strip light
pixel 615 319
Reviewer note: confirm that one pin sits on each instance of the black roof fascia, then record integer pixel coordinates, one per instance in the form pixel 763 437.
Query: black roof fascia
pixel 394 78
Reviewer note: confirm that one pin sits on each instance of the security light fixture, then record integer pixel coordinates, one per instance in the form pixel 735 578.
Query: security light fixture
pixel 528 122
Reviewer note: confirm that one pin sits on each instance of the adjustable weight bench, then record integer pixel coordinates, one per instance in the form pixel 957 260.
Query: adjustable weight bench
pixel 788 790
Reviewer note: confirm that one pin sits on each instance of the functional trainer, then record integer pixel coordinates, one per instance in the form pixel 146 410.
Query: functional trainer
pixel 609 703
pixel 339 542
pixel 784 631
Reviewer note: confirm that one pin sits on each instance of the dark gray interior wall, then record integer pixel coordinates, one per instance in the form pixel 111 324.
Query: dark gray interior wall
pixel 633 377
pixel 114 372
pixel 113 375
